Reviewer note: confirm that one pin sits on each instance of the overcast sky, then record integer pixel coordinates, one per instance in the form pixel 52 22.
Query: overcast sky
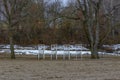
pixel 65 2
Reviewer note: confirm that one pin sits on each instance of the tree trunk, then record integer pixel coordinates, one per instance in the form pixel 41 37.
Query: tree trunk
pixel 12 47
pixel 94 53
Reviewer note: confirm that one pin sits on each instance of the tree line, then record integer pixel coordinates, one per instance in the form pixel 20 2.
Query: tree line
pixel 93 22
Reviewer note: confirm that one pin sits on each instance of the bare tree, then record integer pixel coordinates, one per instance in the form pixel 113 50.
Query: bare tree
pixel 91 21
pixel 13 14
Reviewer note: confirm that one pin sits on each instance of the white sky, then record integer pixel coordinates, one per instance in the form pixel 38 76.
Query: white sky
pixel 65 2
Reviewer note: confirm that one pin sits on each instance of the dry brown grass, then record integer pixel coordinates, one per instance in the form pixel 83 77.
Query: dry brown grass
pixel 29 68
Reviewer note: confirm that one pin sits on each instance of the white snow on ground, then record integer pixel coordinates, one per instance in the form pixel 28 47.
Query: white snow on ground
pixel 35 52
pixel 117 46
pixel 114 47
pixel 2 51
pixel 60 50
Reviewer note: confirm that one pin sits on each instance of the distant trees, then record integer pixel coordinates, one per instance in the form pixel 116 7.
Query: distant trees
pixel 50 22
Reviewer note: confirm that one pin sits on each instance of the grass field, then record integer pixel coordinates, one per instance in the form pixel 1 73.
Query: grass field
pixel 86 69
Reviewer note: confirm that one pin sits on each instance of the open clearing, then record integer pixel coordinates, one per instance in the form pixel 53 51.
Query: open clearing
pixel 103 69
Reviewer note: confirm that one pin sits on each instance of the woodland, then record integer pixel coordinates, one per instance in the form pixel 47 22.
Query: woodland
pixel 32 22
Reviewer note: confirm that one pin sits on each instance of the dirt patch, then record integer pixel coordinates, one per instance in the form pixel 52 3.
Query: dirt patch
pixel 105 69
